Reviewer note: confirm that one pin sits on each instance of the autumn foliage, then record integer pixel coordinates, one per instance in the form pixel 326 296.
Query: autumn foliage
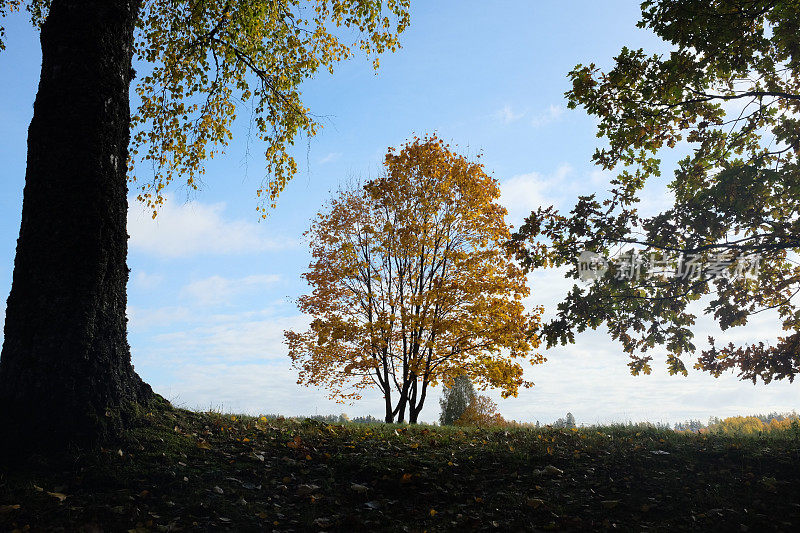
pixel 481 412
pixel 412 285
pixel 724 101
pixel 750 425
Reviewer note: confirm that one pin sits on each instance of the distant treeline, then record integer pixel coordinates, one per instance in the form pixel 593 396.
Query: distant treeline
pixel 742 425
pixel 332 419
pixel 735 425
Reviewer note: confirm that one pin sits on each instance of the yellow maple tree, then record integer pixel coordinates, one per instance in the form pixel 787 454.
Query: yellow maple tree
pixel 481 412
pixel 412 285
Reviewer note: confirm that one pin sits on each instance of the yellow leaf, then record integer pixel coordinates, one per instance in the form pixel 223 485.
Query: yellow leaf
pixel 535 502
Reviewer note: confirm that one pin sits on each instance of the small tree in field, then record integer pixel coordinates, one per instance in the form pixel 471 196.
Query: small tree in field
pixel 455 400
pixel 481 412
pixel 412 285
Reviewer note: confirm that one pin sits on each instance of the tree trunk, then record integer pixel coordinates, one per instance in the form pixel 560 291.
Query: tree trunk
pixel 400 408
pixel 65 367
pixel 412 399
pixel 389 412
pixel 416 409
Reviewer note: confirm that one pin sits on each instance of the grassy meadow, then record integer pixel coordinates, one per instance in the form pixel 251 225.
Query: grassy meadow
pixel 182 471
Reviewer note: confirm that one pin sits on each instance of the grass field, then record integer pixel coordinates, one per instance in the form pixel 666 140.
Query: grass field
pixel 182 470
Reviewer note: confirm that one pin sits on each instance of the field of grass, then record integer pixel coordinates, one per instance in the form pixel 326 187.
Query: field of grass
pixel 182 471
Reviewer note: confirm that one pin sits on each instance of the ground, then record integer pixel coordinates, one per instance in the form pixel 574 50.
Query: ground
pixel 181 470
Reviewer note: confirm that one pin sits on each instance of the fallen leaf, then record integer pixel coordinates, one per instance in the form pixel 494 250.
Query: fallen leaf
pixel 552 470
pixel 322 522
pixel 535 502
pixel 359 488
pixel 61 497
pixel 305 489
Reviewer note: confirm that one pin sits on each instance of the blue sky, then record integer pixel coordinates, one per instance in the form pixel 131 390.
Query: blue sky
pixel 211 287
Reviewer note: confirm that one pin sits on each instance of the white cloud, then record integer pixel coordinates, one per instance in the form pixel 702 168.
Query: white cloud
pixel 143 319
pixel 218 290
pixel 506 115
pixel 194 228
pixel 254 388
pixel 146 282
pixel 220 338
pixel 330 158
pixel 524 193
pixel 553 113
pixel 591 379
pixel 549 287
pixel 600 179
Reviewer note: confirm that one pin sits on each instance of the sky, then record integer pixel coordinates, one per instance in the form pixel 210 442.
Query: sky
pixel 212 287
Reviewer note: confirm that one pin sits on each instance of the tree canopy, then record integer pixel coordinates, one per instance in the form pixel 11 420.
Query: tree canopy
pixel 727 98
pixel 206 61
pixel 412 285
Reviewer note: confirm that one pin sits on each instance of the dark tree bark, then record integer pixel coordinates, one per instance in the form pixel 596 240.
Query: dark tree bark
pixel 388 412
pixel 416 407
pixel 400 409
pixel 65 368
